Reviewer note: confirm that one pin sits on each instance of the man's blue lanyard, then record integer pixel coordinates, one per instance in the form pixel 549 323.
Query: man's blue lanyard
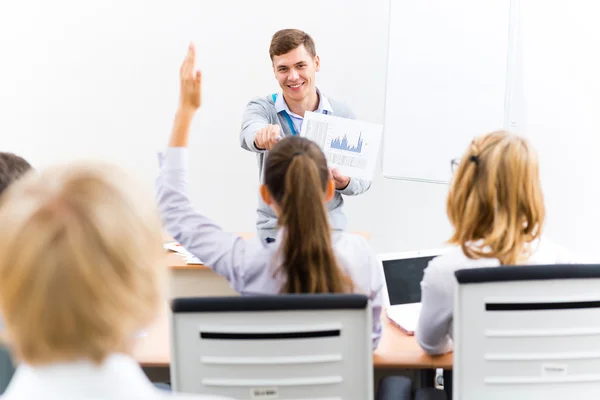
pixel 287 116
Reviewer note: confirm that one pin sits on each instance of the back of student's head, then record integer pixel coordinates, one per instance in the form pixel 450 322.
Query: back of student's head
pixel 12 167
pixel 297 178
pixel 80 253
pixel 496 197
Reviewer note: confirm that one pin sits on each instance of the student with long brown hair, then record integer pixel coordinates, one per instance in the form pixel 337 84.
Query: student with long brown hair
pixel 496 207
pixel 306 255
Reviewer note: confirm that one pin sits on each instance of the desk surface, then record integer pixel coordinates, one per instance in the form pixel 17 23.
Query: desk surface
pixel 176 262
pixel 399 350
pixel 395 350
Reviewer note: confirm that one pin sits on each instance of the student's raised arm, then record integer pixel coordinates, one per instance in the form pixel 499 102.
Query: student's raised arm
pixel 222 251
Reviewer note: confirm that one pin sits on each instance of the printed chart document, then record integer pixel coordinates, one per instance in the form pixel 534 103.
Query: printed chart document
pixel 351 146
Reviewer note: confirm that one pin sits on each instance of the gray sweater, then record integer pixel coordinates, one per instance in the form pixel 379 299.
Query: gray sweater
pixel 261 112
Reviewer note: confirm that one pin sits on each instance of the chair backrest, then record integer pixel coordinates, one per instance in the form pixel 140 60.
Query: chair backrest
pixel 527 332
pixel 273 347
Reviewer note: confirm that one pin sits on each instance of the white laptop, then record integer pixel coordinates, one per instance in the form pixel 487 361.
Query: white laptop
pixel 402 274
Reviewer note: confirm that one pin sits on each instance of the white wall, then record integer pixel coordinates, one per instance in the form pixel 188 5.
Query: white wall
pixel 562 107
pixel 99 79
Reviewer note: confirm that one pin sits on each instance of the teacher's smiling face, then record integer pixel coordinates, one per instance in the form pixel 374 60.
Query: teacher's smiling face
pixel 295 72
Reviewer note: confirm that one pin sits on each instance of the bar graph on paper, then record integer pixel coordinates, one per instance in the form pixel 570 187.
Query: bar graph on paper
pixel 342 143
pixel 349 145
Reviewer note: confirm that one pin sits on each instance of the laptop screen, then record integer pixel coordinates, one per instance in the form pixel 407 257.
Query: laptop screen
pixel 403 279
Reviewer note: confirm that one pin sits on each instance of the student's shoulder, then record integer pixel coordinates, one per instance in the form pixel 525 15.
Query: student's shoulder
pixel 258 251
pixel 449 257
pixel 452 259
pixel 346 241
pixel 354 252
pixel 548 251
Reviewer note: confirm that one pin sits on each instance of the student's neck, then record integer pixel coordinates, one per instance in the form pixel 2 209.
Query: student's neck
pixel 309 103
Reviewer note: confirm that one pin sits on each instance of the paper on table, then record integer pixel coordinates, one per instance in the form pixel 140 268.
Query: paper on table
pixel 405 316
pixel 351 146
pixel 178 248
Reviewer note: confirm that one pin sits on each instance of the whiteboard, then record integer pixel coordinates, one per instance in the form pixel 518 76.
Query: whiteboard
pixel 447 82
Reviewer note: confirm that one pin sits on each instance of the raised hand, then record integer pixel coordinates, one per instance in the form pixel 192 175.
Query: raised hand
pixel 191 82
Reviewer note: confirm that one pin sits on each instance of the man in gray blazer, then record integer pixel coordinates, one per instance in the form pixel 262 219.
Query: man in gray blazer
pixel 268 119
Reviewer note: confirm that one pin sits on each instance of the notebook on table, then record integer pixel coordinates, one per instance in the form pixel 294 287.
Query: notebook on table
pixel 402 274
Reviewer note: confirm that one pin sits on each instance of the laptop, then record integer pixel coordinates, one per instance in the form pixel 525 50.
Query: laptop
pixel 402 274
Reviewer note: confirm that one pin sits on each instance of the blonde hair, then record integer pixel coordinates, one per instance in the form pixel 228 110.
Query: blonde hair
pixel 495 203
pixel 80 261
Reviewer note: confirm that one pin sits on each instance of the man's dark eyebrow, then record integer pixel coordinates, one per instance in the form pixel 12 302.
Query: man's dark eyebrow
pixel 296 64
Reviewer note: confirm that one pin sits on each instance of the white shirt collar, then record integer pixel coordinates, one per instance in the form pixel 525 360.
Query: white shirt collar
pixel 118 377
pixel 324 104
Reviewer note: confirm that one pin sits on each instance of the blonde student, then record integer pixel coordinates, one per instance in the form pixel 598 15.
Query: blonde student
pixel 80 275
pixel 496 208
pixel 306 255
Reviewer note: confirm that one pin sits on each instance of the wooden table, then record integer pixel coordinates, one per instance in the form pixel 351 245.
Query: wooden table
pixel 399 350
pixel 195 280
pixel 395 350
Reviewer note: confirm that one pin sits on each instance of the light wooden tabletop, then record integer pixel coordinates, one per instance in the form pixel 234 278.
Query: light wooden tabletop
pixel 399 350
pixel 177 262
pixel 395 350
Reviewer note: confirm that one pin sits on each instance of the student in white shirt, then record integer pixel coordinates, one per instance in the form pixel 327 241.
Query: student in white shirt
pixel 496 208
pixel 306 255
pixel 81 262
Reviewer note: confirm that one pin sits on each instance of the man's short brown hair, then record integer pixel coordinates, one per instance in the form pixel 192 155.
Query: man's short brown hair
pixel 286 40
pixel 12 167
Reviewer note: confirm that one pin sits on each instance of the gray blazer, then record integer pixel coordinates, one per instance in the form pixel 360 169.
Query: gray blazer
pixel 261 112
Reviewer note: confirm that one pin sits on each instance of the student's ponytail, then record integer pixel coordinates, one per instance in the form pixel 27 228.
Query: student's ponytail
pixel 297 177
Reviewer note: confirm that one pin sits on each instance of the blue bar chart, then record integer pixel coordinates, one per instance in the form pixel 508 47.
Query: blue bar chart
pixel 343 144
